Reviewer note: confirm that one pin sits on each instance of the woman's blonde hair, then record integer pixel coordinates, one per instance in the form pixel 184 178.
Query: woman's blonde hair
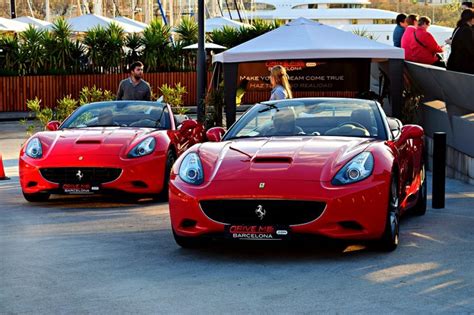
pixel 281 78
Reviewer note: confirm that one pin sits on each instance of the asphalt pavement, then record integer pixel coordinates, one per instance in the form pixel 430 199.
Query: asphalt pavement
pixel 88 255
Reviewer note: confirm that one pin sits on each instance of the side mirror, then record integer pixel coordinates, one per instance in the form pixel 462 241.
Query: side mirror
pixel 410 132
pixel 187 125
pixel 53 125
pixel 215 134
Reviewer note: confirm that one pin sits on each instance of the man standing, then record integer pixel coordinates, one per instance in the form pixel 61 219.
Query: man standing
pixel 399 30
pixel 134 87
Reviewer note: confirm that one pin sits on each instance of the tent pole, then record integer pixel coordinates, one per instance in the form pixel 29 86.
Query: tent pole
pixel 395 69
pixel 230 84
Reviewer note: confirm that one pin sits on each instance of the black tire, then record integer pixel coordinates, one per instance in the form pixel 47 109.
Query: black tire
pixel 420 206
pixel 390 237
pixel 188 242
pixel 36 197
pixel 170 158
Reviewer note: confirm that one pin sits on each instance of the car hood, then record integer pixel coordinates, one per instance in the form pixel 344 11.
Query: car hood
pixel 96 141
pixel 295 158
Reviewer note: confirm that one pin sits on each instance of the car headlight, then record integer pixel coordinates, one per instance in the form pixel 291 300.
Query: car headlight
pixel 357 169
pixel 190 169
pixel 145 147
pixel 34 149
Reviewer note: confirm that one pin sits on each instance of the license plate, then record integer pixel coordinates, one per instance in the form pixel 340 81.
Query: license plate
pixel 79 188
pixel 257 232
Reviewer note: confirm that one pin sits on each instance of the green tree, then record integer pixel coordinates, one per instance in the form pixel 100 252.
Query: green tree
pixel 32 52
pixel 62 52
pixel 96 41
pixel 133 44
pixel 9 55
pixel 156 46
pixel 226 36
pixel 187 31
pixel 115 40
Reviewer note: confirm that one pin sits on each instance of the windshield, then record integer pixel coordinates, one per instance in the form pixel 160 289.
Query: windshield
pixel 311 117
pixel 120 114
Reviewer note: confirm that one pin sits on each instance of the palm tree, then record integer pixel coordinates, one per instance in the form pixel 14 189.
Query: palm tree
pixel 78 56
pixel 133 43
pixel 187 31
pixel 62 33
pixel 59 45
pixel 226 36
pixel 156 41
pixel 32 52
pixel 95 40
pixel 9 55
pixel 115 41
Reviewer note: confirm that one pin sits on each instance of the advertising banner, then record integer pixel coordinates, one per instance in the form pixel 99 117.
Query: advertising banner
pixel 308 75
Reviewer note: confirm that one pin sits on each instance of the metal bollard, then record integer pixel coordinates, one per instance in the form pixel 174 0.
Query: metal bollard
pixel 439 169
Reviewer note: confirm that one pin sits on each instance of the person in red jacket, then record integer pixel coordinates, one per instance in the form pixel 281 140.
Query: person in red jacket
pixel 423 48
pixel 412 21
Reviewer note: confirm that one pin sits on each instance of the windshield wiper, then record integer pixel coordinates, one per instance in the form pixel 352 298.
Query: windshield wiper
pixel 105 125
pixel 240 151
pixel 242 137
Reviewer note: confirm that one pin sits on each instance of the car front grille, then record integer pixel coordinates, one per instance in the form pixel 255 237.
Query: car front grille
pixel 83 175
pixel 275 212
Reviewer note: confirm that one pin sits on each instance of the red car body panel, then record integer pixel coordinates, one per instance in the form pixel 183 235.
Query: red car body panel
pixel 106 147
pixel 299 168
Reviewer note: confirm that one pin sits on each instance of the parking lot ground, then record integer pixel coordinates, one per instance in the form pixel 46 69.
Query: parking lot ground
pixel 97 255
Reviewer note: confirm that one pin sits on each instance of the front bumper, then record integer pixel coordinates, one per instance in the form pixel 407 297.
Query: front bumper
pixel 139 176
pixel 356 211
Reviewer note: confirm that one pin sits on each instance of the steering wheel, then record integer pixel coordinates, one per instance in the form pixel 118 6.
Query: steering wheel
pixel 145 122
pixel 352 123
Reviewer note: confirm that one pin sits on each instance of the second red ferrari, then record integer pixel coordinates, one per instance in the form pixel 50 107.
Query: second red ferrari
pixel 118 146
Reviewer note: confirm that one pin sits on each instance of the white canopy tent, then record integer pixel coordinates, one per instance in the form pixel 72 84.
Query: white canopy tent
pixel 33 21
pixel 219 22
pixel 129 21
pixel 85 22
pixel 306 39
pixel 8 25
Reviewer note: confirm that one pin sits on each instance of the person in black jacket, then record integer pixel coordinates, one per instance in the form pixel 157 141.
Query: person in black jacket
pixel 461 58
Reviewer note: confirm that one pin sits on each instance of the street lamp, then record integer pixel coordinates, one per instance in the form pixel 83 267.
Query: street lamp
pixel 13 9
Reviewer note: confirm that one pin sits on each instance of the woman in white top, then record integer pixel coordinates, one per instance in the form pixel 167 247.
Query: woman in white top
pixel 280 84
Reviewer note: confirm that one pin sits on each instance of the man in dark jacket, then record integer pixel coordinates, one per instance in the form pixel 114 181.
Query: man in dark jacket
pixel 399 30
pixel 461 58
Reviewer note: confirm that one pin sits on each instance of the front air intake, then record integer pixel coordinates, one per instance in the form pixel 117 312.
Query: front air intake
pixel 262 212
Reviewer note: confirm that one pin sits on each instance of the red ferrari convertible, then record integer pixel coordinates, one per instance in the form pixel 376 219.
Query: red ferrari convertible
pixel 118 146
pixel 337 168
